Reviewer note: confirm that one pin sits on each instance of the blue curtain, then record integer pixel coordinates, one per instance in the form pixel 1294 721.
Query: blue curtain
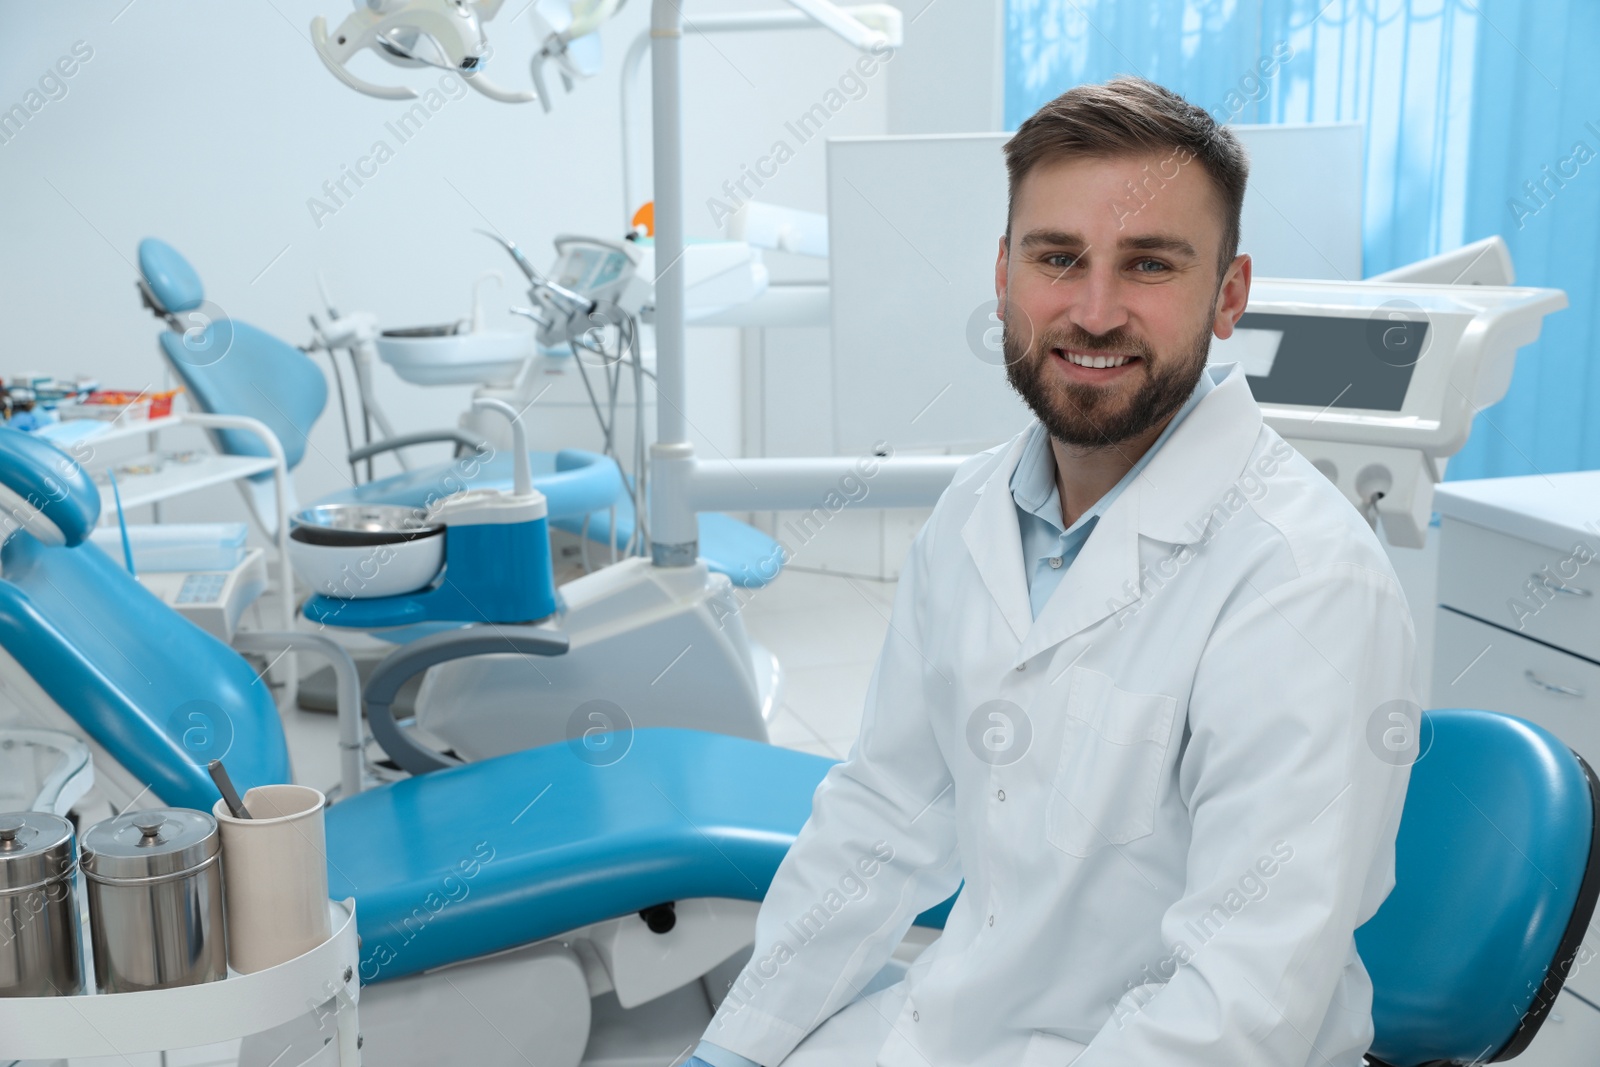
pixel 1482 117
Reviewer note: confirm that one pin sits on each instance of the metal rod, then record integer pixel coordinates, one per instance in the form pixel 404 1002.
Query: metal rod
pixel 230 795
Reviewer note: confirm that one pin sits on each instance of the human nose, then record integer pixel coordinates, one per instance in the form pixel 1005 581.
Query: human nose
pixel 1098 307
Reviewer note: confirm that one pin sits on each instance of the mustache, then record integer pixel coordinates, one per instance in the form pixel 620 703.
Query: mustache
pixel 1118 342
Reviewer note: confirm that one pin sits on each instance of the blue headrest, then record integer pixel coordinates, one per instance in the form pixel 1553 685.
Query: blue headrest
pixel 44 490
pixel 175 284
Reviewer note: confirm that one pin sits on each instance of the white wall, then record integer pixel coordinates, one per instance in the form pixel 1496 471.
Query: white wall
pixel 211 125
pixel 952 78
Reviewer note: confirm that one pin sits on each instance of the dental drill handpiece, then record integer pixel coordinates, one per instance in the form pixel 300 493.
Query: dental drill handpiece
pixel 542 289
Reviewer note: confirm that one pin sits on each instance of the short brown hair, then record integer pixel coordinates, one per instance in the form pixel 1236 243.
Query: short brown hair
pixel 1127 116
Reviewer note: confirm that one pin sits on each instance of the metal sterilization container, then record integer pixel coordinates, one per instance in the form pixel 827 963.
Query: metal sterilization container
pixel 155 900
pixel 39 954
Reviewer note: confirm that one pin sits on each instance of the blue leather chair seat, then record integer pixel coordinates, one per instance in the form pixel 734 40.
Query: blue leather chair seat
pixel 574 482
pixel 682 814
pixel 747 556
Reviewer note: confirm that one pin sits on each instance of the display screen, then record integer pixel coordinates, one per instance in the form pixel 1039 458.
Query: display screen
pixel 1322 361
pixel 588 269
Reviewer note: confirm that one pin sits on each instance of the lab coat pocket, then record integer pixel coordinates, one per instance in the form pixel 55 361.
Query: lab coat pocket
pixel 1108 780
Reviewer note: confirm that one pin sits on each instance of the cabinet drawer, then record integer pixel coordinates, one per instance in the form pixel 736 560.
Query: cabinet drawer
pixel 1476 665
pixel 1548 594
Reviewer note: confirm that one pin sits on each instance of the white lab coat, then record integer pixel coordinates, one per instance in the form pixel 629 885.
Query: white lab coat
pixel 1169 845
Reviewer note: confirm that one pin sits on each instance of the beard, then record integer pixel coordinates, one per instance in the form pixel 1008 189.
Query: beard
pixel 1088 416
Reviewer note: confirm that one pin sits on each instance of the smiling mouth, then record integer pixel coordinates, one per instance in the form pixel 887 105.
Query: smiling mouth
pixel 1094 361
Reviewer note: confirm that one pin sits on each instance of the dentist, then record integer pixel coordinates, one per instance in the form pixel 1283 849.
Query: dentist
pixel 1125 702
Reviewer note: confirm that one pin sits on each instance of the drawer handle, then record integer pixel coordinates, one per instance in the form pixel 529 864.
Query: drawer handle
pixel 1570 590
pixel 1565 691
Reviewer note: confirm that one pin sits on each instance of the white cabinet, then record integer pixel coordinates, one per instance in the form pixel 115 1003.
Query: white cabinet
pixel 1518 631
pixel 1518 623
pixel 1476 665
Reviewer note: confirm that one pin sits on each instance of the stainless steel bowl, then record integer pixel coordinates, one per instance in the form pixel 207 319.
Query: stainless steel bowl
pixel 354 525
pixel 362 551
pixel 451 329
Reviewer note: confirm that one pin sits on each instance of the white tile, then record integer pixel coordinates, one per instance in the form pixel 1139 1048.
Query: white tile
pixel 787 729
pixel 830 699
pixel 816 637
pixel 313 738
pixel 796 588
pixel 881 593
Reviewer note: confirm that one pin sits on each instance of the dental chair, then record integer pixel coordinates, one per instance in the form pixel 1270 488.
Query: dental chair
pixel 506 905
pixel 501 903
pixel 626 621
pixel 229 367
pixel 1497 869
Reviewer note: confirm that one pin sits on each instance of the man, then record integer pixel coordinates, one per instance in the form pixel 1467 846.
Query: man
pixel 1124 702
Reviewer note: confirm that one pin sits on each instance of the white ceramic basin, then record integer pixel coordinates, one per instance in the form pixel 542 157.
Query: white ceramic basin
pixel 489 358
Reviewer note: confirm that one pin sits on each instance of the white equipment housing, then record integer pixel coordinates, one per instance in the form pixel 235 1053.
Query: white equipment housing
pixel 1377 383
pixel 666 647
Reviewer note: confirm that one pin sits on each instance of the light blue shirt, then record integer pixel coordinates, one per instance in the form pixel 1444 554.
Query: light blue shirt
pixel 1047 549
pixel 718 1056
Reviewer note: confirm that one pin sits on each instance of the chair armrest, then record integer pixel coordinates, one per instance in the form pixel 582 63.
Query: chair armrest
pixel 414 658
pixel 462 439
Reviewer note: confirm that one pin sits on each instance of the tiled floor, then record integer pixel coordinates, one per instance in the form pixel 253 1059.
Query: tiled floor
pixel 826 631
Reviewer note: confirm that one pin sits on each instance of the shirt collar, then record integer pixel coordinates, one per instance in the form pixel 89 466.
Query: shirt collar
pixel 1033 482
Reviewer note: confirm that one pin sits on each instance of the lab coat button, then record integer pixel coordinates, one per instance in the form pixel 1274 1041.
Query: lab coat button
pixel 916 1017
pixel 1001 794
pixel 1022 666
pixel 991 920
pixel 1055 563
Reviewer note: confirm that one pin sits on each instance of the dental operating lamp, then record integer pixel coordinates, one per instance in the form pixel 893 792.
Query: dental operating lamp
pixel 448 34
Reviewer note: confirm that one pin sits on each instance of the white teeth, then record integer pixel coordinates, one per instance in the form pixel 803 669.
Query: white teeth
pixel 1097 362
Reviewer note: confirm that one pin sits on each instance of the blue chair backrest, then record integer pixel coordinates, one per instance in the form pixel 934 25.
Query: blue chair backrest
pixel 230 367
pixel 162 696
pixel 1496 872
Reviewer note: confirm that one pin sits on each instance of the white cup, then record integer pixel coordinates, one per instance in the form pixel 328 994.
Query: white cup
pixel 274 876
